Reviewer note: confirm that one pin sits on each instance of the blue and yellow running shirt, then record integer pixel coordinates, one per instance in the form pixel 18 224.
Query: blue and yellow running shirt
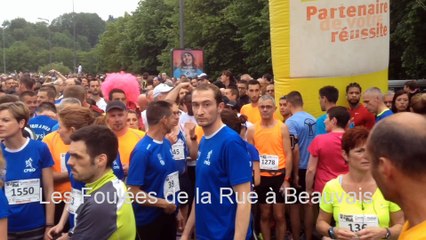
pixel 106 211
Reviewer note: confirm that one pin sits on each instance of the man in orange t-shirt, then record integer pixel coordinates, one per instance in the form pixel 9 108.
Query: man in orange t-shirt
pixel 397 153
pixel 275 166
pixel 116 118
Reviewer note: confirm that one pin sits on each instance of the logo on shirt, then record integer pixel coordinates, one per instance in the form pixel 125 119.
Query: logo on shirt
pixel 161 160
pixel 310 123
pixel 209 155
pixel 29 166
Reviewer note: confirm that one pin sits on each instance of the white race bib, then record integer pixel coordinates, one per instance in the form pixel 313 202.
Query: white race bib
pixel 23 191
pixel 76 200
pixel 269 162
pixel 357 222
pixel 178 150
pixel 171 184
pixel 63 163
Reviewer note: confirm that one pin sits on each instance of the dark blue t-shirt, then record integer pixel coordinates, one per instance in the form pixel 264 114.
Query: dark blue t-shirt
pixel 151 164
pixel 23 185
pixel 223 162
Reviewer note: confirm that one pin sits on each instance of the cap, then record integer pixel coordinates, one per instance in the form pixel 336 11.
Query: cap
pixel 202 76
pixel 115 105
pixel 161 88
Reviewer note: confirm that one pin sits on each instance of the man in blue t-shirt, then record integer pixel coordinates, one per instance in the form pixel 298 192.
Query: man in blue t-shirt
pixel 328 98
pixel 223 173
pixel 154 178
pixel 43 123
pixel 301 126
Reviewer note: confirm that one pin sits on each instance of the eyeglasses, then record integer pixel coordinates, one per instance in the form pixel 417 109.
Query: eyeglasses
pixel 267 107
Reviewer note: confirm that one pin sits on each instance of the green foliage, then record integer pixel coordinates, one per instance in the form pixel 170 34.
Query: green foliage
pixel 57 66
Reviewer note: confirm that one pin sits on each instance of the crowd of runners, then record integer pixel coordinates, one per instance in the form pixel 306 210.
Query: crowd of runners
pixel 202 159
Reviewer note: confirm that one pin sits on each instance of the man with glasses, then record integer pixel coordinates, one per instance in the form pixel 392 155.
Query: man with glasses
pixel 275 166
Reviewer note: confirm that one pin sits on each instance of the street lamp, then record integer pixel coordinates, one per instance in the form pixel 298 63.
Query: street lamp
pixel 4 52
pixel 49 39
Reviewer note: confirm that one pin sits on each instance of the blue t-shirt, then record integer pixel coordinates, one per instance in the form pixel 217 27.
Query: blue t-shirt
pixel 4 206
pixel 188 72
pixel 384 115
pixel 321 125
pixel 180 153
pixel 253 153
pixel 151 162
pixel 302 125
pixel 23 177
pixel 117 168
pixel 42 125
pixel 223 162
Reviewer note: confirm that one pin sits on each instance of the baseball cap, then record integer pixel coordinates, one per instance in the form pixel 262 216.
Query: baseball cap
pixel 115 105
pixel 202 76
pixel 161 88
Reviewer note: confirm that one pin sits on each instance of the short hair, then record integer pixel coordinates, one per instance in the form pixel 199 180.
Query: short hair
pixel 7 98
pixel 24 94
pixel 354 137
pixel 115 90
pixel 402 144
pixel 94 80
pixel 329 92
pixel 267 97
pixel 206 87
pixel 268 77
pixel 76 91
pixel 229 74
pixel 46 106
pixel 283 98
pixel 341 114
pixel 76 117
pixel 395 96
pixel 231 119
pixel 157 111
pixel 50 91
pixel 418 103
pixel 244 82
pixel 411 84
pixel 67 101
pixel 295 98
pixel 253 82
pixel 98 140
pixel 352 85
pixel 18 109
pixel 234 90
pixel 376 92
pixel 27 81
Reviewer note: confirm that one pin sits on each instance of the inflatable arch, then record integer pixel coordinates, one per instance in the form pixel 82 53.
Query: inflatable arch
pixel 328 42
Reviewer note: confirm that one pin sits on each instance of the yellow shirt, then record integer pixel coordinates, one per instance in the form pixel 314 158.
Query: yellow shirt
pixel 413 233
pixel 127 142
pixel 58 149
pixel 336 201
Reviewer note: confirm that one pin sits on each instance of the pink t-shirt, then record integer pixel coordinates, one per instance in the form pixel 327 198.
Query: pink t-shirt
pixel 328 149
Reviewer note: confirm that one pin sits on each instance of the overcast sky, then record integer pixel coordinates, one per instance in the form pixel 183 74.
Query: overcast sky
pixel 31 10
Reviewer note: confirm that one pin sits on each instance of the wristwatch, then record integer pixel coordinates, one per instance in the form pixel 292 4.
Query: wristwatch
pixel 388 233
pixel 331 233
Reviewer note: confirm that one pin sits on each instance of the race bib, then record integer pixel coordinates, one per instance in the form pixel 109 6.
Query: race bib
pixel 76 200
pixel 269 162
pixel 23 191
pixel 178 150
pixel 63 163
pixel 171 184
pixel 357 222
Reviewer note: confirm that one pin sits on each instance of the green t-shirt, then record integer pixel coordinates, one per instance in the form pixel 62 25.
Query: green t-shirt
pixel 348 206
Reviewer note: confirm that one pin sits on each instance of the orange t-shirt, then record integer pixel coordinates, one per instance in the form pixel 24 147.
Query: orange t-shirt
pixel 253 113
pixel 414 232
pixel 58 149
pixel 127 142
pixel 269 143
